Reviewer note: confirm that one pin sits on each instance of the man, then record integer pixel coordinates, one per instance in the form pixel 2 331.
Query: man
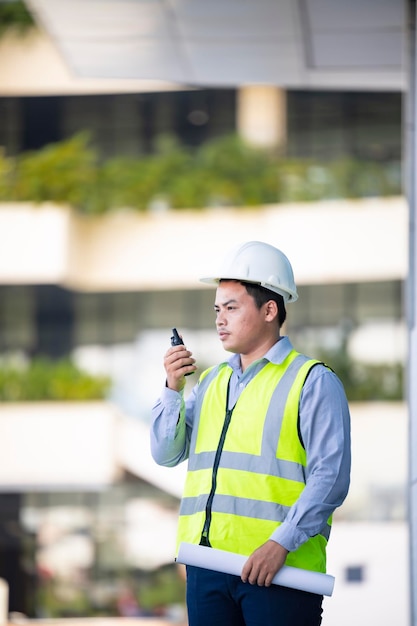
pixel 267 438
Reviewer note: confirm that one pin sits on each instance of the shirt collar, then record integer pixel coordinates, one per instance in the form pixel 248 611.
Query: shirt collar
pixel 277 354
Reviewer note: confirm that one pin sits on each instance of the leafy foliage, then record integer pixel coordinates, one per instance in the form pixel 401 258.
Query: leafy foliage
pixel 43 379
pixel 14 15
pixel 223 172
pixel 61 172
pixel 365 382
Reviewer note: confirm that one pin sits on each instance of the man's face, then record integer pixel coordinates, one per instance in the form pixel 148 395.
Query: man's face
pixel 241 326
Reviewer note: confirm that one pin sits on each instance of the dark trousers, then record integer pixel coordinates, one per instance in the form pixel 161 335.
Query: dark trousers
pixel 216 599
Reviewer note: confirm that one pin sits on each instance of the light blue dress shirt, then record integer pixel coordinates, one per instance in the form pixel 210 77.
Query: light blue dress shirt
pixel 324 427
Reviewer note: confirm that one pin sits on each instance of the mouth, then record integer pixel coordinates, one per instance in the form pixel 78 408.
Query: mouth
pixel 223 335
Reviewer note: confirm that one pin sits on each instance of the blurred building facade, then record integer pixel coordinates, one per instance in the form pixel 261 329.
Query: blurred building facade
pixel 106 292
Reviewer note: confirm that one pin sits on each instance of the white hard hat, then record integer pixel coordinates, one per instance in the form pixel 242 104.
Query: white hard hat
pixel 259 263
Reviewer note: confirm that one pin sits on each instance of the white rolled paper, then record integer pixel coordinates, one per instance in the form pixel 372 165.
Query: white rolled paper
pixel 4 601
pixel 232 563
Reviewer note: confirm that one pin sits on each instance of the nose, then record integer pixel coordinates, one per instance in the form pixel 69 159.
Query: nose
pixel 220 319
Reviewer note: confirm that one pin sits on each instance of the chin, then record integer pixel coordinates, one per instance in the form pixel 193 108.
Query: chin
pixel 230 348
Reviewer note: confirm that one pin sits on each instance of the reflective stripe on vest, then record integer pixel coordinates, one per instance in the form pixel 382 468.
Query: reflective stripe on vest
pixel 244 492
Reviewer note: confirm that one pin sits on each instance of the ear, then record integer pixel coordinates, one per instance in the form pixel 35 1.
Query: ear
pixel 271 310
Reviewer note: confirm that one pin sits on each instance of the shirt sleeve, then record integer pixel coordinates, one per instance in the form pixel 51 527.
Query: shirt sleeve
pixel 171 427
pixel 325 430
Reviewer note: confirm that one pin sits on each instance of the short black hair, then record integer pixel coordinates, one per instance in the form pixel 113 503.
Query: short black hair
pixel 261 295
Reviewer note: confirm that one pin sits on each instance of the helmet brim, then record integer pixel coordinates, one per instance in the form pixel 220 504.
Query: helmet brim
pixel 289 296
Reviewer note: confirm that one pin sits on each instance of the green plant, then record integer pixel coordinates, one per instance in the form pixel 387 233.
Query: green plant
pixel 161 588
pixel 55 599
pixel 223 172
pixel 365 382
pixel 44 379
pixel 64 172
pixel 14 15
pixel 239 174
pixel 6 166
pixel 136 182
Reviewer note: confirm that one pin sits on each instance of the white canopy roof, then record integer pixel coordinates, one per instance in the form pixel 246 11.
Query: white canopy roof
pixel 310 44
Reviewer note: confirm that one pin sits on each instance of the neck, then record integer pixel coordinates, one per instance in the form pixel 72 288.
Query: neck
pixel 258 353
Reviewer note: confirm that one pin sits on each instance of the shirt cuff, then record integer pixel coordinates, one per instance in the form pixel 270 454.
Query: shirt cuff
pixel 288 536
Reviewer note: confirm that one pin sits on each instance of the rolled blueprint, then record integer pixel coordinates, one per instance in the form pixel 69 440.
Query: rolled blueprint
pixel 232 563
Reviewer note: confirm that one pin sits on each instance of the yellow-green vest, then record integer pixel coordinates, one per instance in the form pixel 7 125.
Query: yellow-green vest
pixel 246 468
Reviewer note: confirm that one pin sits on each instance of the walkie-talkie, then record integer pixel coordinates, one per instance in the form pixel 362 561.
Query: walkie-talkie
pixel 177 341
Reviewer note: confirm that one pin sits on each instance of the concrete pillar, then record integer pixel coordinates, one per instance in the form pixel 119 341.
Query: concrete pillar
pixel 262 115
pixel 411 186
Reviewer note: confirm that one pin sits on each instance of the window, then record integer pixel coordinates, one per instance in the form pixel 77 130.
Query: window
pixel 354 574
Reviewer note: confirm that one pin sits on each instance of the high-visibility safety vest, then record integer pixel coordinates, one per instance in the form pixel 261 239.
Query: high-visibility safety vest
pixel 247 465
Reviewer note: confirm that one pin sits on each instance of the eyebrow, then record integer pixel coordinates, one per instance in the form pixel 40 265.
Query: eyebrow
pixel 226 303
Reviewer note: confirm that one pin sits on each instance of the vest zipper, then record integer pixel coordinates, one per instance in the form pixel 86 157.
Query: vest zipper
pixel 204 541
